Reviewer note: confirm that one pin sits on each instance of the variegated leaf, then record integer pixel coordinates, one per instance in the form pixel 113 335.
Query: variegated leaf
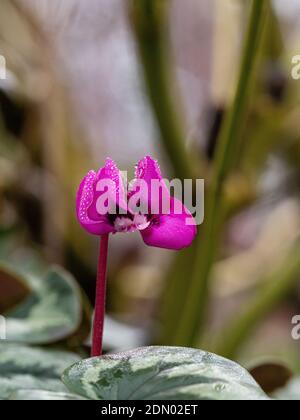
pixel 51 313
pixel 39 395
pixel 24 368
pixel 162 373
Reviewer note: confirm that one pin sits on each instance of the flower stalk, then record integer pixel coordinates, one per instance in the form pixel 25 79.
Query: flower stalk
pixel 98 326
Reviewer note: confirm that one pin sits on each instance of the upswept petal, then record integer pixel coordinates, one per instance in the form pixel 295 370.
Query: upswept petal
pixel 84 201
pixel 112 174
pixel 107 181
pixel 148 171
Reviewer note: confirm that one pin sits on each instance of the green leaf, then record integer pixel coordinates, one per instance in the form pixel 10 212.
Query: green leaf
pixel 51 313
pixel 162 373
pixel 24 368
pixel 38 395
pixel 291 392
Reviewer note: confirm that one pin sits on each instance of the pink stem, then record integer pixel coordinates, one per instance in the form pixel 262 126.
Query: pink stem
pixel 100 299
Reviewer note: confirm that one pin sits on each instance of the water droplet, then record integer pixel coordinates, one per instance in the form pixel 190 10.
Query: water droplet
pixel 220 387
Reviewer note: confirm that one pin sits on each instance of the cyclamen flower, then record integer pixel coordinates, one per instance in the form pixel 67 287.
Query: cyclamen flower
pixel 173 230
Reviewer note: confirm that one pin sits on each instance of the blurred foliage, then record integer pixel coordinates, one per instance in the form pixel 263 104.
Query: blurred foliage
pixel 271 376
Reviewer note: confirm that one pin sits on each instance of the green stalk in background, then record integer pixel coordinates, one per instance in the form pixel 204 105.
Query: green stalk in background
pixel 196 302
pixel 150 24
pixel 277 286
pixel 173 295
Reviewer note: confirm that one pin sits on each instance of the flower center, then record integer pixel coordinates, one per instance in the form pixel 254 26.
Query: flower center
pixel 126 224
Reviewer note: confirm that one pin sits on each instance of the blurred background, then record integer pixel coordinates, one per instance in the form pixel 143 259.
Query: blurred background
pixel 87 80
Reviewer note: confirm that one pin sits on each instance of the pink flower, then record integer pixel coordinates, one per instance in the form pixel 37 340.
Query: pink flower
pixel 170 229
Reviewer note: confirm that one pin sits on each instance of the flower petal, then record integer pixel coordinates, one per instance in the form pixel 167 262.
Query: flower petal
pixel 111 172
pixel 85 199
pixel 148 171
pixel 172 231
pixel 108 185
pixel 110 179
